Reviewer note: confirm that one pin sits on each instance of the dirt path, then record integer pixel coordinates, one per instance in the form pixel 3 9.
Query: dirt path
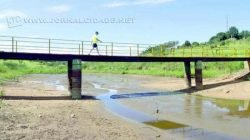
pixel 41 116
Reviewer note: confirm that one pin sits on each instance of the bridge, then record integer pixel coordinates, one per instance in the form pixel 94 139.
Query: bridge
pixel 76 51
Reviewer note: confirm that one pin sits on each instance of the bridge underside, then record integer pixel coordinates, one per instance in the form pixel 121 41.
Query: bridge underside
pixel 103 58
pixel 75 73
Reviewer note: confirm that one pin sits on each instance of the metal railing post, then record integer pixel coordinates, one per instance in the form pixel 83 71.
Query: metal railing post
pixel 79 49
pixel 161 51
pixel 49 45
pixel 130 51
pixel 82 48
pixel 112 48
pixel 191 51
pixel 202 51
pixel 106 50
pixel 183 52
pixel 12 44
pixel 138 51
pixel 16 46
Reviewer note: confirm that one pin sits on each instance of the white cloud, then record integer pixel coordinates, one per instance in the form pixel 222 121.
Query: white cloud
pixel 119 3
pixel 59 8
pixel 11 13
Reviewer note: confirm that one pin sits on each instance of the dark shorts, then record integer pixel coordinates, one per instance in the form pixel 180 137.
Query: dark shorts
pixel 95 45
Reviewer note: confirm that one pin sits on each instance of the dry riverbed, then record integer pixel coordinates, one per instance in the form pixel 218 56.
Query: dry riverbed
pixel 40 111
pixel 43 111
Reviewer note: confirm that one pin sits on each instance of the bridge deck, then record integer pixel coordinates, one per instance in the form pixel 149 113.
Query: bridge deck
pixel 67 57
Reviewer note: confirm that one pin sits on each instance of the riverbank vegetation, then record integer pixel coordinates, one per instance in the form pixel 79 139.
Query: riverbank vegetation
pixel 11 69
pixel 228 41
pixel 223 44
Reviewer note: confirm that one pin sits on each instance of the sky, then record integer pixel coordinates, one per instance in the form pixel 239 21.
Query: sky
pixel 133 21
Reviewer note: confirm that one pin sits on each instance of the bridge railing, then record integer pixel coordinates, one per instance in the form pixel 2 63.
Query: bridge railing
pixel 62 46
pixel 79 47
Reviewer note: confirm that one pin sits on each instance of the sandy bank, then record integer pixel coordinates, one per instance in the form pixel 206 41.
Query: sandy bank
pixel 38 111
pixel 235 86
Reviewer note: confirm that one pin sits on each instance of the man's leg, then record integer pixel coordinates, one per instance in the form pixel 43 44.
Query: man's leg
pixel 91 51
pixel 97 50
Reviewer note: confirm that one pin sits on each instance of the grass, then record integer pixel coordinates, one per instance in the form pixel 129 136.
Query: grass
pixel 162 69
pixel 228 48
pixel 12 69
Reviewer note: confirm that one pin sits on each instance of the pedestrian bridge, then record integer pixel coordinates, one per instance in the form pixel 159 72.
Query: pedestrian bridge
pixel 76 51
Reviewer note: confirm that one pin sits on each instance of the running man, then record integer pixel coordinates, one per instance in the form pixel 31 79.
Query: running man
pixel 95 41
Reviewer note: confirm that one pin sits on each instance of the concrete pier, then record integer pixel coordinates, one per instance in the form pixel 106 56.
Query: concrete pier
pixel 248 65
pixel 187 74
pixel 75 78
pixel 70 74
pixel 198 75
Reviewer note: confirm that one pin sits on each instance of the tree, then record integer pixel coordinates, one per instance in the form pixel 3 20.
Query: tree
pixel 233 33
pixel 213 39
pixel 221 36
pixel 244 34
pixel 187 44
pixel 195 44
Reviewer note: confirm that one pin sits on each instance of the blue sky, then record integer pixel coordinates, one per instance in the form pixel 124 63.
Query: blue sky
pixel 154 21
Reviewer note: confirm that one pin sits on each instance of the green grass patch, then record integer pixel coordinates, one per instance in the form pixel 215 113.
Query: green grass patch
pixel 210 70
pixel 12 69
pixel 230 48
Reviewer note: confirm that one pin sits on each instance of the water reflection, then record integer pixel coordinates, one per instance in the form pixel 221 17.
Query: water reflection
pixel 197 105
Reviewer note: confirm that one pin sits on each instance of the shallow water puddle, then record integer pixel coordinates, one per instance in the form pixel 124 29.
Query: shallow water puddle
pixel 181 106
pixel 165 125
pixel 174 128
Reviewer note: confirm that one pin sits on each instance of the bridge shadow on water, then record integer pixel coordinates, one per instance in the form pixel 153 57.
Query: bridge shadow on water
pixel 182 91
pixel 240 79
pixel 147 94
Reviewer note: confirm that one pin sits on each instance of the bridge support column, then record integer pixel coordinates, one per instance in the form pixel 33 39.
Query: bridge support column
pixel 188 74
pixel 248 65
pixel 198 75
pixel 75 78
pixel 70 75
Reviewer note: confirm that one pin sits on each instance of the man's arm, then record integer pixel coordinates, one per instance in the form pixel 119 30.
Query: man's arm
pixel 99 40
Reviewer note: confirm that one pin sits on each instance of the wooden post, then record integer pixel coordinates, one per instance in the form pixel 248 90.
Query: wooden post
pixel 198 75
pixel 187 76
